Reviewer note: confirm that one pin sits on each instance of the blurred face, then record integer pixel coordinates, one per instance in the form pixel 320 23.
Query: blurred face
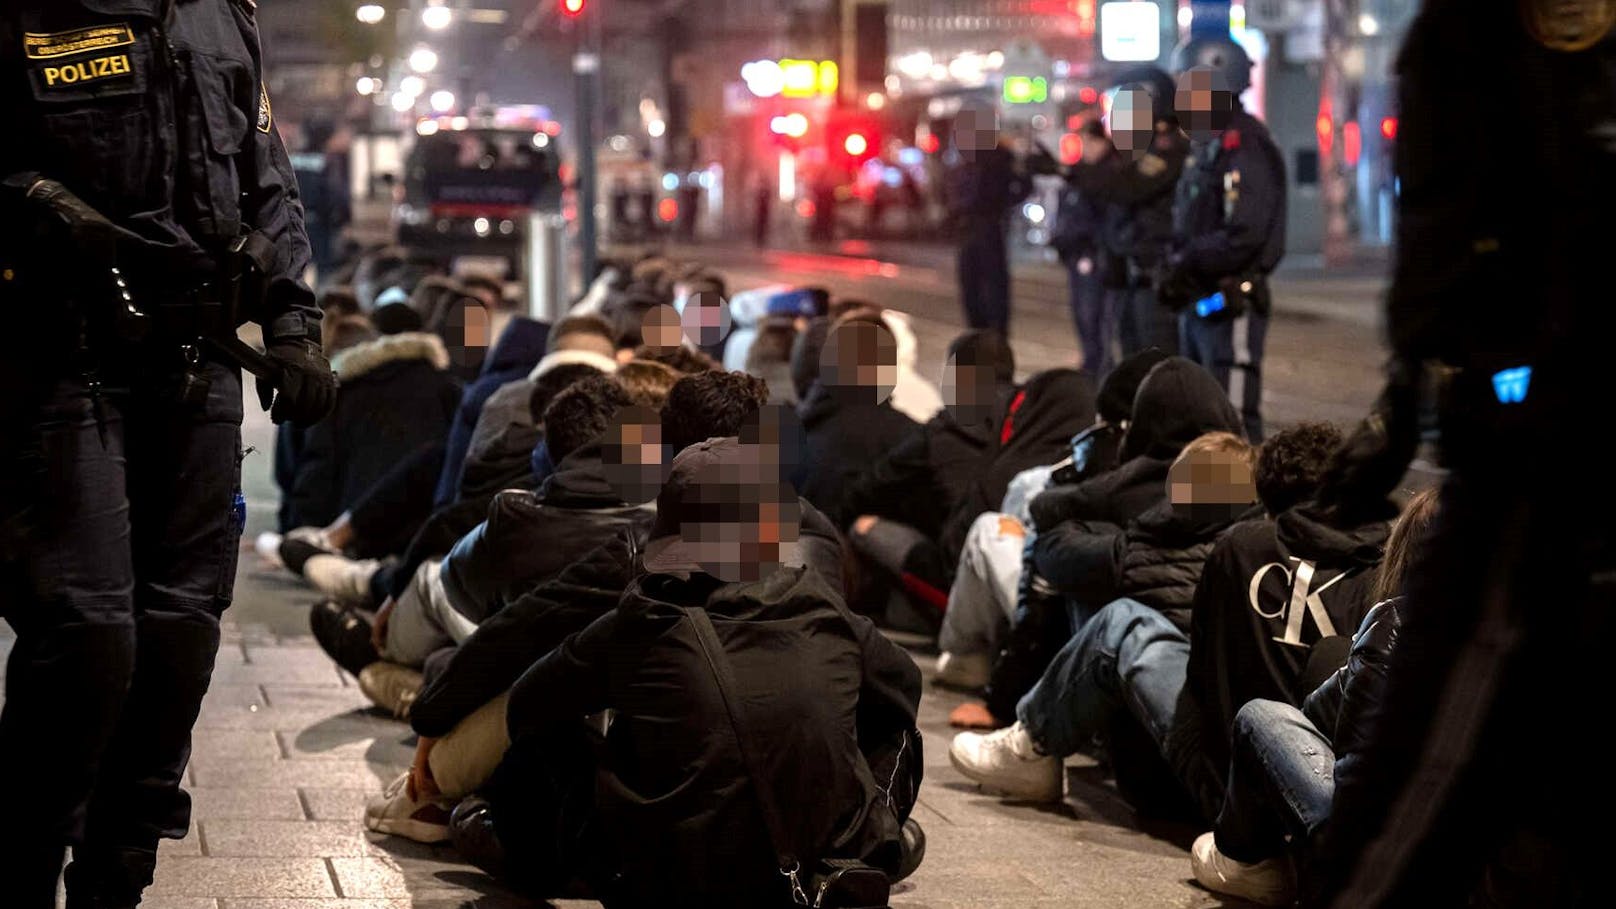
pixel 632 455
pixel 705 319
pixel 1568 25
pixel 976 128
pixel 1132 122
pixel 742 521
pixel 1204 103
pixel 1208 486
pixel 660 327
pixel 860 362
pixel 465 334
pixel 968 390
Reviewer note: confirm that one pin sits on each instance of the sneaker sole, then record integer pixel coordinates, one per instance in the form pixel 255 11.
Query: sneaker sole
pixel 995 789
pixel 410 829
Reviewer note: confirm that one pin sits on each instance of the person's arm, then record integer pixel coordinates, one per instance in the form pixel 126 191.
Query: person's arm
pixel 898 486
pixel 496 654
pixel 570 681
pixel 1258 192
pixel 316 487
pixel 1081 558
pixel 889 700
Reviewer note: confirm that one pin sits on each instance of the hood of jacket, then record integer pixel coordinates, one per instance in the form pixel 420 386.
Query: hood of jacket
pixel 520 347
pixel 1178 401
pixel 557 358
pixel 579 481
pixel 1304 534
pixel 361 359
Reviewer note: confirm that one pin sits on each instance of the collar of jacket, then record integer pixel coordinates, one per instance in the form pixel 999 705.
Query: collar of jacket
pixel 557 358
pixel 359 359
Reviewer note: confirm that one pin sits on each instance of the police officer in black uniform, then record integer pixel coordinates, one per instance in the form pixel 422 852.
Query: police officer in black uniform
pixel 1479 783
pixel 146 205
pixel 1228 225
pixel 988 180
pixel 1136 176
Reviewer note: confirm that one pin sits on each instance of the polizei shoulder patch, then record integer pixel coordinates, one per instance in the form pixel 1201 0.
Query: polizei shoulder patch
pixel 266 117
pixel 48 46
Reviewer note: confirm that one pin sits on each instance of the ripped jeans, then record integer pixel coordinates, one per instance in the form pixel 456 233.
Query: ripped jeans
pixel 1281 780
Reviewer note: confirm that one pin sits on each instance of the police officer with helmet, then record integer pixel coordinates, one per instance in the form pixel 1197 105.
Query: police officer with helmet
pixel 147 207
pixel 1228 224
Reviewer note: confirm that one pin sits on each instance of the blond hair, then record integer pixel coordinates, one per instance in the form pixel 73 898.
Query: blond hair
pixel 647 381
pixel 1407 536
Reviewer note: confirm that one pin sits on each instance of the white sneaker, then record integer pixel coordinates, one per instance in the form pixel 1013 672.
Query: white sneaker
pixel 268 547
pixel 396 813
pixel 342 579
pixel 963 670
pixel 391 687
pixel 1005 761
pixel 1269 882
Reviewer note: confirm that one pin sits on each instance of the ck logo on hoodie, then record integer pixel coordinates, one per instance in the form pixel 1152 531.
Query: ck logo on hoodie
pixel 1302 599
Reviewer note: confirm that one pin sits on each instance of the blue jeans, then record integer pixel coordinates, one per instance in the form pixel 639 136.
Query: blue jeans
pixel 1281 780
pixel 1232 350
pixel 1092 314
pixel 1141 321
pixel 1127 659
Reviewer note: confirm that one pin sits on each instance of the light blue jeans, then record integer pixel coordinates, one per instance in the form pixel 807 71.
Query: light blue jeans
pixel 1281 780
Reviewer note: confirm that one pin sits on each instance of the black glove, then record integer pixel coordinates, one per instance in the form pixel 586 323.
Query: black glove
pixel 1175 286
pixel 307 387
pixel 1371 462
pixel 92 233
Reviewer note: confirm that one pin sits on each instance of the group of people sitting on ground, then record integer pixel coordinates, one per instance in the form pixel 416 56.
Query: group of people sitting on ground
pixel 627 597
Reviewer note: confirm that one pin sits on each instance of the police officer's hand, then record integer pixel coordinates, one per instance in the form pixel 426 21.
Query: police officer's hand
pixel 92 233
pixel 307 390
pixel 1175 285
pixel 1371 462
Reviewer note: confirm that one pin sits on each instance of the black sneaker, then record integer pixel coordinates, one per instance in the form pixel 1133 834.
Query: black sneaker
pixel 344 635
pixel 912 839
pixel 471 830
pixel 295 551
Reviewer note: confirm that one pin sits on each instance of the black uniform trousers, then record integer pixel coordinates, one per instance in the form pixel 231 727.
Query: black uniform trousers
pixel 115 604
pixel 984 275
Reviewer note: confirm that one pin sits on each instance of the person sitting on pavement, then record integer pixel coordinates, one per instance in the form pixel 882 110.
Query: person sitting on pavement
pixel 1121 674
pixel 1284 761
pixel 912 394
pixel 690 665
pixel 1176 402
pixel 515 353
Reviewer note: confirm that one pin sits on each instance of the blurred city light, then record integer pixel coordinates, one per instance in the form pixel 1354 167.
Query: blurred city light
pixel 540 140
pixel 670 182
pixel 437 17
pixel 875 100
pixel 1388 127
pixel 442 101
pixel 667 210
pixel 855 144
pixel 426 127
pixel 423 59
pixel 1368 24
pixel 656 128
pixel 403 101
pixel 1026 90
pixel 370 13
pixel 412 86
pixel 367 85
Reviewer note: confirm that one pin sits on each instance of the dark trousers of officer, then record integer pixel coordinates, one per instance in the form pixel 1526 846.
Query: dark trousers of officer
pixel 1092 313
pixel 115 603
pixel 1232 350
pixel 984 276
pixel 1142 322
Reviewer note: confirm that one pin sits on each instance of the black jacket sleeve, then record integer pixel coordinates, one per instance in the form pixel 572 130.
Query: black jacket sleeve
pixel 1120 181
pixel 570 681
pixel 316 491
pixel 889 700
pixel 898 487
pixel 1348 705
pixel 1081 558
pixel 497 653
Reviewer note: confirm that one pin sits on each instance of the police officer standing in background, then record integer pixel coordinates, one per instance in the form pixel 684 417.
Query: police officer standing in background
pixel 1477 784
pixel 988 181
pixel 145 199
pixel 1228 225
pixel 1135 175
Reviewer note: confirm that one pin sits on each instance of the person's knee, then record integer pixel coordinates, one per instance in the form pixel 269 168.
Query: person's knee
pixel 1257 717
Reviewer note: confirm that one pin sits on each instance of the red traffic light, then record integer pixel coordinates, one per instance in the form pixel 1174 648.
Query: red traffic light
pixel 572 8
pixel 1388 128
pixel 1088 94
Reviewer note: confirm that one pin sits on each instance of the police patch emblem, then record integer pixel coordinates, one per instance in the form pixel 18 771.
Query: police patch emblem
pixel 266 117
pixel 1568 25
pixel 47 46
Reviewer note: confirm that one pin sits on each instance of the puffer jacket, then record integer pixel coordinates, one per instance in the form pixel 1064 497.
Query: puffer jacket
pixel 395 396
pixel 829 710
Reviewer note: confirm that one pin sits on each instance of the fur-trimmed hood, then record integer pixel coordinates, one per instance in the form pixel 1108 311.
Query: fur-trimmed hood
pixel 363 358
pixel 568 357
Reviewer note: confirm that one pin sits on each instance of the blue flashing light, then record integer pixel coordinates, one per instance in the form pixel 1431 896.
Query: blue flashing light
pixel 1206 306
pixel 1510 384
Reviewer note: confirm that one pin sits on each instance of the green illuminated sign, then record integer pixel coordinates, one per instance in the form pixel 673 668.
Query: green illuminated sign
pixel 1025 90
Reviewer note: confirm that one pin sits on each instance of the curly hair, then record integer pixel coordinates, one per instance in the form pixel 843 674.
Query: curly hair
pixel 1291 463
pixel 685 360
pixel 710 404
pixel 581 412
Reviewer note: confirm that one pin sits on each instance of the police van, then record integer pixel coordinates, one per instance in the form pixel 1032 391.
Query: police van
pixel 469 186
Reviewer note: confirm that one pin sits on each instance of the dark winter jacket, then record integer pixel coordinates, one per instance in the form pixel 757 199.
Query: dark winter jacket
pixel 1271 589
pixel 531 625
pixel 1178 402
pixel 530 536
pixel 1347 707
pixel 1157 560
pixel 920 480
pixel 839 440
pixel 1031 428
pixel 395 396
pixel 826 703
pixel 518 350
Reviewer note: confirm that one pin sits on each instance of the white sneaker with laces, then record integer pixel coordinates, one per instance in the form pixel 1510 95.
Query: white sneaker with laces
pixel 394 812
pixel 391 687
pixel 1006 761
pixel 969 671
pixel 1268 883
pixel 341 578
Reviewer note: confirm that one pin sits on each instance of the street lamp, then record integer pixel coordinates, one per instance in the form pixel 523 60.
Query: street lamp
pixel 437 17
pixel 423 59
pixel 370 13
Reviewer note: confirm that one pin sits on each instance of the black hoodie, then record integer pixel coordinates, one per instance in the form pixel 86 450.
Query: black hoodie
pixel 1178 402
pixel 840 438
pixel 921 479
pixel 529 536
pixel 1270 591
pixel 827 708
